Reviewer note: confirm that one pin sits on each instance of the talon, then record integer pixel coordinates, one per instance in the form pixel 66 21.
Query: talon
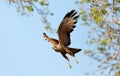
pixel 69 65
pixel 76 60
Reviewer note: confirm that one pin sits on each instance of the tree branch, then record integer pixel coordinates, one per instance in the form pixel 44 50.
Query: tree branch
pixel 116 21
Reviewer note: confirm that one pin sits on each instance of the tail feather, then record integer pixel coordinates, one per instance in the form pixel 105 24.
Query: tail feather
pixel 75 50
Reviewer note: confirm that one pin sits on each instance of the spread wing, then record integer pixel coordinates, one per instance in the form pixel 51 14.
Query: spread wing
pixel 66 27
pixel 51 40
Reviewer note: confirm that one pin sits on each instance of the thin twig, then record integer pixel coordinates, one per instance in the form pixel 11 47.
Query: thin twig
pixel 111 69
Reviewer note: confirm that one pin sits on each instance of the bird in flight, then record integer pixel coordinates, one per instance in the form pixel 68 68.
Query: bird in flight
pixel 65 28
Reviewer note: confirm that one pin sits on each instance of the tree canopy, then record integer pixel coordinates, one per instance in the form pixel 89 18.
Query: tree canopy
pixel 102 18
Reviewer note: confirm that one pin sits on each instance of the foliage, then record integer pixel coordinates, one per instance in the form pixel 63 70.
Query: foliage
pixel 27 7
pixel 102 17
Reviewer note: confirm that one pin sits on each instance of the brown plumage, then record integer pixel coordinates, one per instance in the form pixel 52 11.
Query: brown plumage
pixel 64 30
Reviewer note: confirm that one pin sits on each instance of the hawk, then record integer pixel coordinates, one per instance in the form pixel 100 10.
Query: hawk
pixel 65 28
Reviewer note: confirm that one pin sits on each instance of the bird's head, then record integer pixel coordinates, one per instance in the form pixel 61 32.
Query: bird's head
pixel 45 36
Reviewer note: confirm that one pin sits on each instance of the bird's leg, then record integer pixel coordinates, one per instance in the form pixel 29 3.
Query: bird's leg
pixel 72 54
pixel 69 65
pixel 75 59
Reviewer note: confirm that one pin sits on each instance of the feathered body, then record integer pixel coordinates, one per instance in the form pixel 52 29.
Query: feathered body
pixel 65 28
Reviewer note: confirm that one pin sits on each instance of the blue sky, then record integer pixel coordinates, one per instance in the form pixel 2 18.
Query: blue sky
pixel 24 52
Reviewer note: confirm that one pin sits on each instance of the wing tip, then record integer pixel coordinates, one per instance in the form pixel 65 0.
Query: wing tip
pixel 71 13
pixel 45 36
pixel 44 33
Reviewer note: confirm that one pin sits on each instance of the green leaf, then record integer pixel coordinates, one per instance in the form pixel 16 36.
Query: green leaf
pixel 35 0
pixel 99 66
pixel 87 52
pixel 89 1
pixel 103 12
pixel 82 1
pixel 82 11
pixel 117 73
pixel 118 1
pixel 104 41
pixel 117 67
pixel 101 49
pixel 47 27
pixel 42 2
pixel 30 8
pixel 117 9
pixel 23 8
pixel 51 14
pixel 94 10
pixel 99 19
pixel 11 1
pixel 102 72
pixel 106 5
